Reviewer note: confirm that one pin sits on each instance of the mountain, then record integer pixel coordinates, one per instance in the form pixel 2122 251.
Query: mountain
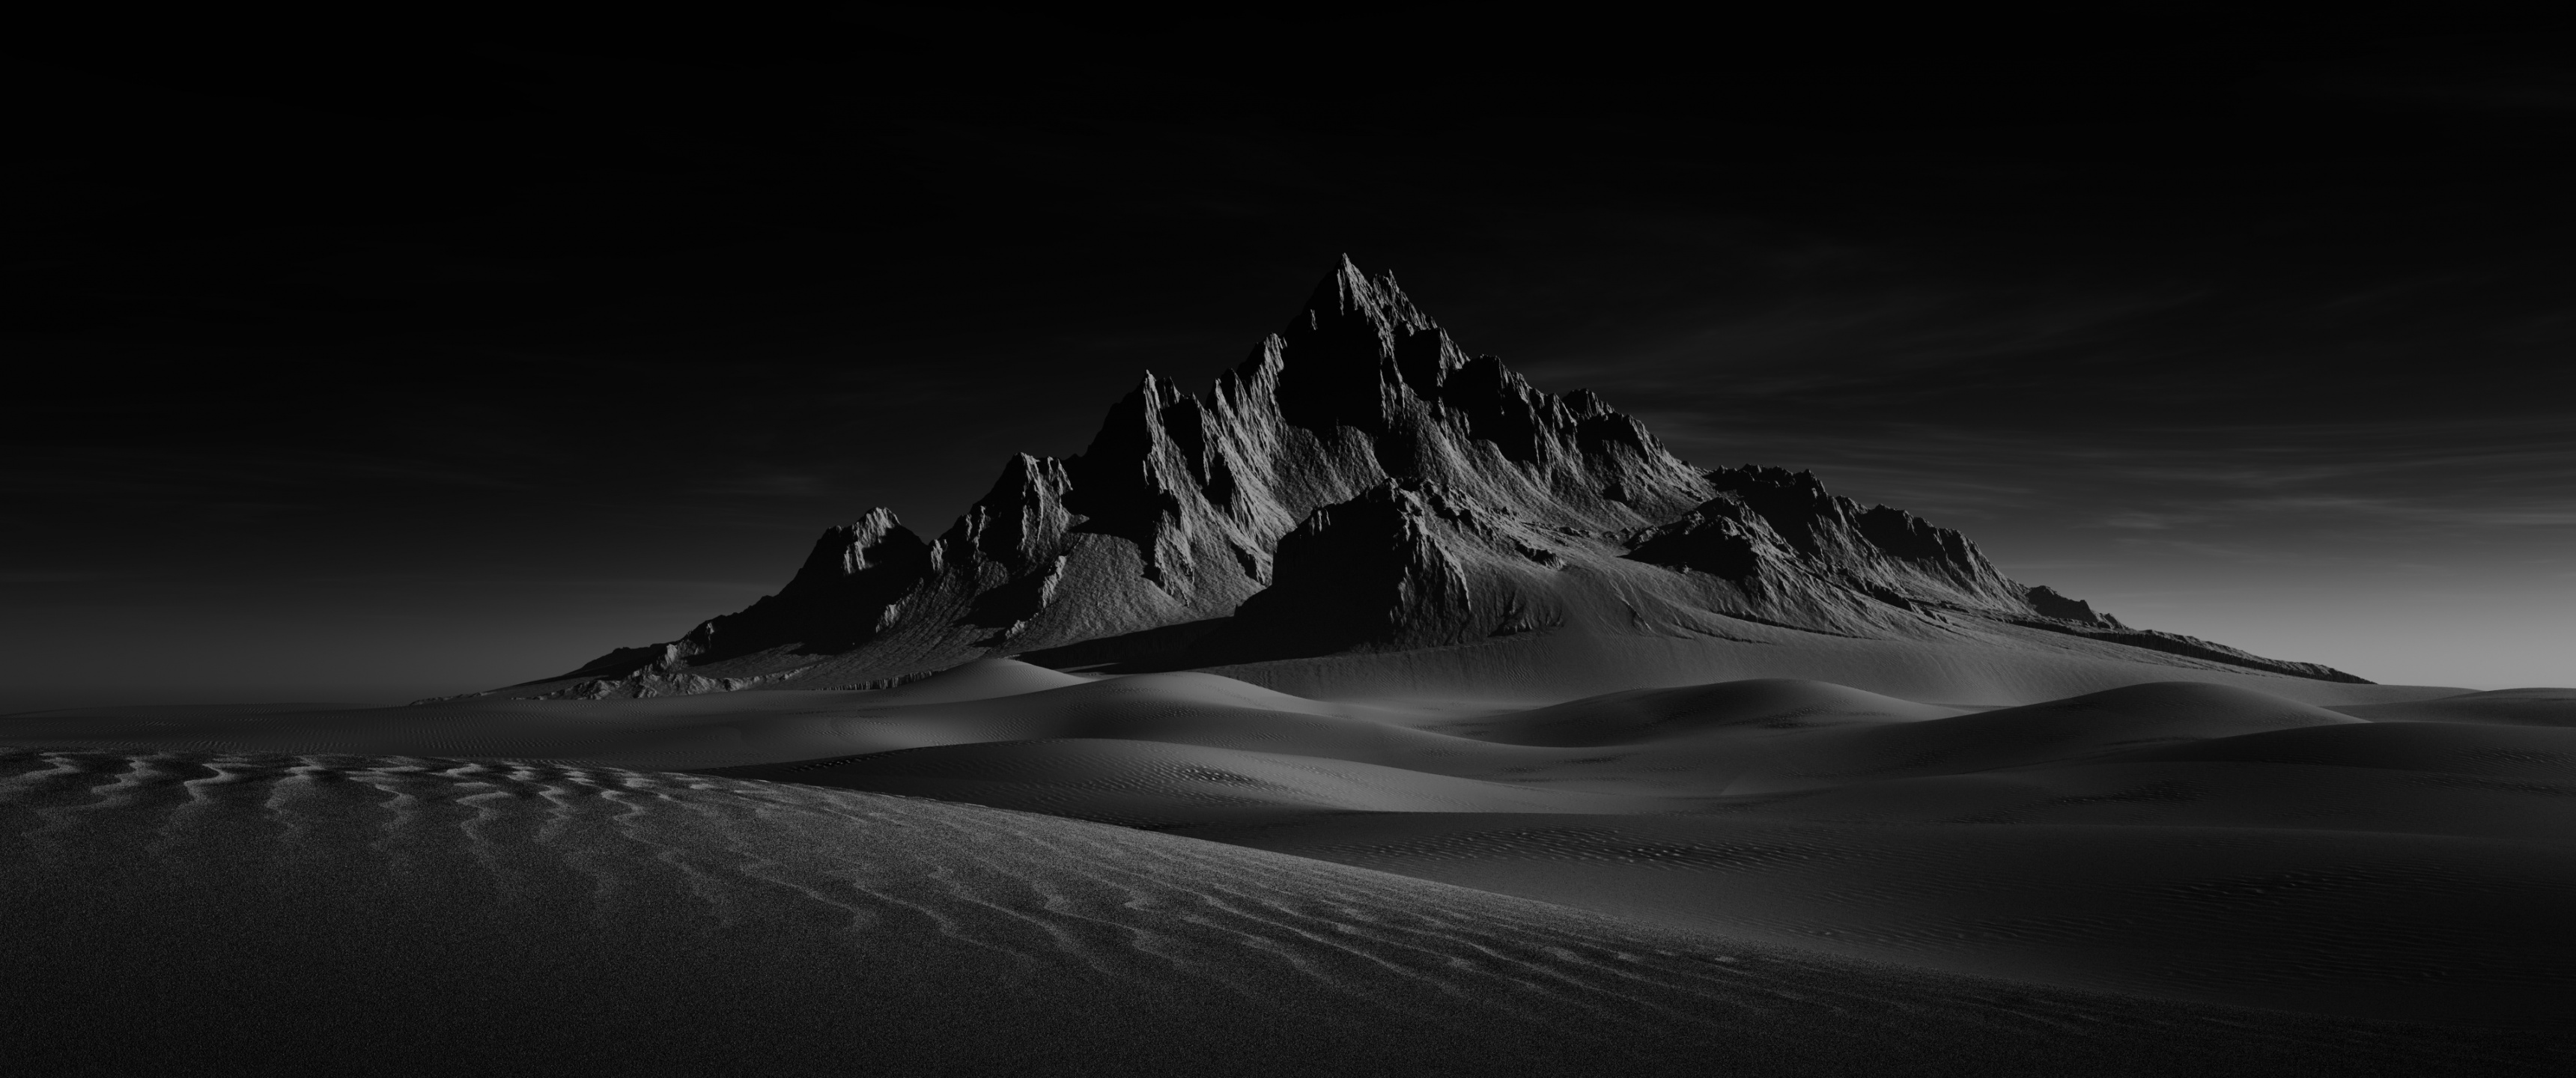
pixel 1358 485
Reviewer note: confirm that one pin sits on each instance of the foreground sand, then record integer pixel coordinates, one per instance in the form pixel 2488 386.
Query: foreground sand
pixel 1186 873
pixel 2357 923
pixel 434 916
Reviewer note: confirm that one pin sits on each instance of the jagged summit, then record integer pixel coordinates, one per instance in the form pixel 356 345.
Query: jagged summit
pixel 1358 483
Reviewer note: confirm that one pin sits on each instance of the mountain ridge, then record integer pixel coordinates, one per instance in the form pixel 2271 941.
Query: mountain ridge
pixel 1358 483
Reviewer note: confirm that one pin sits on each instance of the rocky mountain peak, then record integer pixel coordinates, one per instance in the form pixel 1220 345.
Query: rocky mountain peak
pixel 1349 294
pixel 875 539
pixel 1359 482
pixel 1365 356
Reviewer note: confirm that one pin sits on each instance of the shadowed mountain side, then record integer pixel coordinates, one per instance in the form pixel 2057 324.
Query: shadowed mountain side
pixel 2510 707
pixel 556 919
pixel 1160 785
pixel 1360 484
pixel 1413 564
pixel 2421 926
pixel 1172 513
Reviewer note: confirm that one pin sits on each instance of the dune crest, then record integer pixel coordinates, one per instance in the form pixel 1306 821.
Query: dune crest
pixel 2517 707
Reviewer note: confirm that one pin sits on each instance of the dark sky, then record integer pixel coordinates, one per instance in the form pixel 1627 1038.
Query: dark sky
pixel 367 360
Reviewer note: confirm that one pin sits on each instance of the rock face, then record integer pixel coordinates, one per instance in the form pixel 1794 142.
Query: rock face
pixel 1358 484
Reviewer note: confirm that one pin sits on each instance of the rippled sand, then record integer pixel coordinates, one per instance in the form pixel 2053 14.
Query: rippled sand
pixel 320 913
pixel 1761 877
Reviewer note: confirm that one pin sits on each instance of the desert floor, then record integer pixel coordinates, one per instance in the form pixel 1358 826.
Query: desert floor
pixel 1012 867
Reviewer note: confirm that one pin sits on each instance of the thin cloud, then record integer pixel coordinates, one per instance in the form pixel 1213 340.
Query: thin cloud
pixel 2142 521
pixel 2428 513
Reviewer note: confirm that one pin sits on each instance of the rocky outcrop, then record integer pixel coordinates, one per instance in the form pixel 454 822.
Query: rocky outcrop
pixel 2047 603
pixel 1357 483
pixel 1410 563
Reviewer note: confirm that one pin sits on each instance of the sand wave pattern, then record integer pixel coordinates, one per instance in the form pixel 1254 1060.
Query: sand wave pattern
pixel 2432 927
pixel 170 908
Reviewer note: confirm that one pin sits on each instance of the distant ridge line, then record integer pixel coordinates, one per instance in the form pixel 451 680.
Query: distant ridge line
pixel 1359 483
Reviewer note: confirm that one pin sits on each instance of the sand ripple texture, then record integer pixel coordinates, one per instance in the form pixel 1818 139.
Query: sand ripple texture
pixel 309 914
pixel 2423 926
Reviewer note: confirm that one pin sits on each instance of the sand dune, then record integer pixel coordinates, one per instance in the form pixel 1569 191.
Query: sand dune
pixel 1541 668
pixel 982 679
pixel 312 912
pixel 2094 724
pixel 2503 707
pixel 2543 754
pixel 2434 927
pixel 1642 715
pixel 1769 736
pixel 1159 785
pixel 2201 844
pixel 476 727
pixel 683 730
pixel 2205 794
pixel 994 699
pixel 1729 739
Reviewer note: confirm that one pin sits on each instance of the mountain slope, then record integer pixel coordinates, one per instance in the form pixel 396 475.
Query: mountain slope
pixel 1359 484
